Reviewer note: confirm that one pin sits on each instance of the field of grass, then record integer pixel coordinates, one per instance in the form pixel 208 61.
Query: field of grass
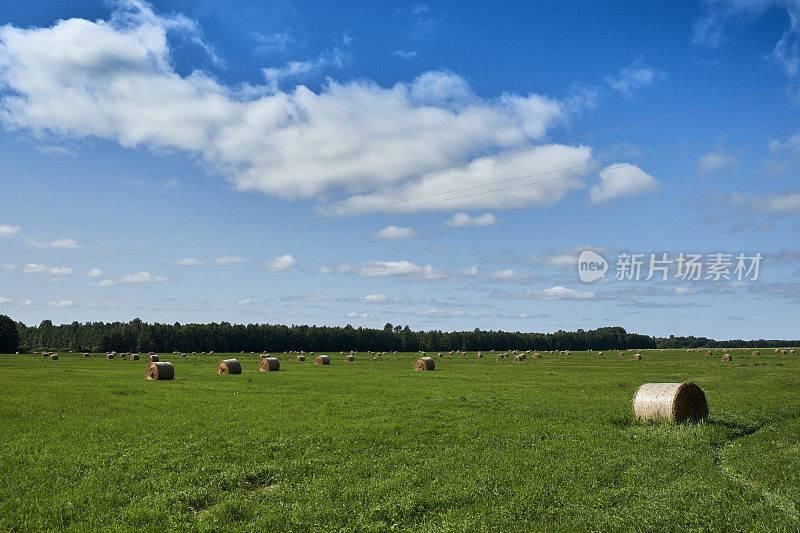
pixel 476 445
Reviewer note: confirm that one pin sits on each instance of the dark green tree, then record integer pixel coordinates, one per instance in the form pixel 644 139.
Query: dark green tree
pixel 9 336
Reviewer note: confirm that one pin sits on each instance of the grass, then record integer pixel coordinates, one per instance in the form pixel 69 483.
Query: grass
pixel 477 445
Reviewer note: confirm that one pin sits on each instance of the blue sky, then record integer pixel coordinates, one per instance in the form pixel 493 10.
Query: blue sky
pixel 323 128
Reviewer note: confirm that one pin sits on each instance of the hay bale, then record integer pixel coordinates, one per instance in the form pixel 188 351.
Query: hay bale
pixel 756 352
pixel 152 359
pixel 519 358
pixel 679 402
pixel 54 357
pixel 134 357
pixel 322 360
pixel 159 371
pixel 424 363
pixel 109 356
pixel 637 357
pixel 349 358
pixel 300 358
pixel 229 366
pixel 727 357
pixel 479 355
pixel 85 355
pixel 269 364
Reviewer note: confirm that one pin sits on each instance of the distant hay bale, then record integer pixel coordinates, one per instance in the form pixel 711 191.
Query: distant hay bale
pixel 679 402
pixel 85 355
pixel 229 366
pixel 109 356
pixel 135 357
pixel 479 355
pixel 349 358
pixel 322 360
pixel 519 358
pixel 300 358
pixel 269 364
pixel 439 354
pixel 727 357
pixel 152 358
pixel 159 371
pixel 54 357
pixel 424 363
pixel 756 352
pixel 599 353
pixel 637 357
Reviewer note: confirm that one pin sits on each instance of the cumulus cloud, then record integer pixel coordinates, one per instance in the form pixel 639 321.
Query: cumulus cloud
pixel 398 268
pixel 714 161
pixel 7 230
pixel 563 293
pixel 94 273
pixel 142 277
pixel 776 204
pixel 375 298
pixel 104 283
pixel 281 263
pixel 461 220
pixel 113 80
pixel 395 233
pixel 622 179
pixel 634 76
pixel 188 261
pixel 228 260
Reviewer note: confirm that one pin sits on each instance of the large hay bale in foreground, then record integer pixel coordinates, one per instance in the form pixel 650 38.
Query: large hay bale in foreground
pixel 424 363
pixel 229 366
pixel 152 358
pixel 679 402
pixel 159 371
pixel 134 357
pixel 322 360
pixel 269 364
pixel 300 358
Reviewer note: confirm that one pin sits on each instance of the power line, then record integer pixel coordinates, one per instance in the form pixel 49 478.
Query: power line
pixel 409 176
pixel 321 219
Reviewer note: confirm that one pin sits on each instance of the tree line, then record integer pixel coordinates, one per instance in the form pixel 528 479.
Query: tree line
pixel 139 336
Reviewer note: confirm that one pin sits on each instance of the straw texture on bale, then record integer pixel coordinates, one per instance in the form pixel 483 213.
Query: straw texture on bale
pixel 322 360
pixel 424 363
pixel 152 358
pixel 679 402
pixel 229 366
pixel 300 358
pixel 269 364
pixel 134 357
pixel 158 371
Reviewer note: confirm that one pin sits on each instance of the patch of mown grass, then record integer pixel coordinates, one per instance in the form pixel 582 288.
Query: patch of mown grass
pixel 478 444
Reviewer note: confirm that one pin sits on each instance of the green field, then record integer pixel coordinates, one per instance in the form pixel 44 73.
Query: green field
pixel 476 445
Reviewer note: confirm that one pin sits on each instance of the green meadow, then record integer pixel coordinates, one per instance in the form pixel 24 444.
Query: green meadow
pixel 476 445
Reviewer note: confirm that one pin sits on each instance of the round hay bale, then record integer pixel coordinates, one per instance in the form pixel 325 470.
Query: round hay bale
pixel 479 355
pixel 85 355
pixel 322 360
pixel 536 355
pixel 159 371
pixel 424 363
pixel 54 357
pixel 152 359
pixel 756 352
pixel 269 364
pixel 229 366
pixel 349 358
pixel 637 357
pixel 300 358
pixel 679 402
pixel 727 357
pixel 134 357
pixel 519 358
pixel 109 356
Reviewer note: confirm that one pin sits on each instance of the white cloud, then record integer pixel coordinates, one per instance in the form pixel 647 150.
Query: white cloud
pixel 776 204
pixel 4 300
pixel 461 220
pixel 28 303
pixel 395 233
pixel 634 76
pixel 274 42
pixel 228 260
pixel 398 268
pixel 506 275
pixel 684 291
pixel 188 261
pixel 141 277
pixel 57 243
pixel 63 303
pixel 471 271
pixel 782 203
pixel 283 262
pixel 335 58
pixel 405 54
pixel 622 179
pixel 714 161
pixel 244 301
pixel 34 268
pixel 563 293
pixel 94 273
pixel 104 283
pixel 375 298
pixel 113 80
pixel 7 230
